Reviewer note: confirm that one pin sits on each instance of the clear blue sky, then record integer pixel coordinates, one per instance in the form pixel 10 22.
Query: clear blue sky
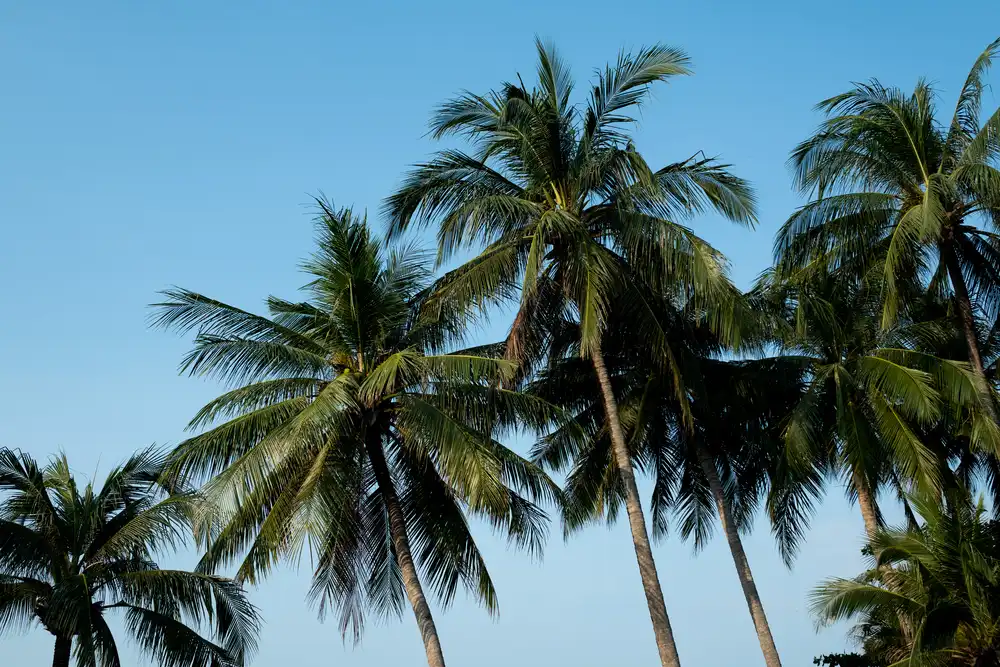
pixel 150 144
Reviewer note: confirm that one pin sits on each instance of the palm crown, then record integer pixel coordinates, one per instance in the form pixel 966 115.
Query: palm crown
pixel 71 556
pixel 351 430
pixel 567 210
pixel 931 596
pixel 873 400
pixel 901 190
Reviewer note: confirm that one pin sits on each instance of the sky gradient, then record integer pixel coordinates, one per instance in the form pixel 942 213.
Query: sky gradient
pixel 144 145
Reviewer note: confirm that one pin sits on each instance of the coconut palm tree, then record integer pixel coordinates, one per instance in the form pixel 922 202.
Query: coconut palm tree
pixel 740 410
pixel 709 456
pixel 71 557
pixel 567 216
pixel 873 394
pixel 914 196
pixel 349 428
pixel 931 596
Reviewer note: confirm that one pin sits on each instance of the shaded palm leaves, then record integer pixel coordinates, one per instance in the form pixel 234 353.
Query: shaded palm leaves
pixel 345 406
pixel 733 411
pixel 708 432
pixel 72 556
pixel 878 401
pixel 932 597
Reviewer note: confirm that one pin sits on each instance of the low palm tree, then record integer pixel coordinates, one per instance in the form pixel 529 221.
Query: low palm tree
pixel 70 557
pixel 898 189
pixel 931 596
pixel 708 455
pixel 350 429
pixel 568 216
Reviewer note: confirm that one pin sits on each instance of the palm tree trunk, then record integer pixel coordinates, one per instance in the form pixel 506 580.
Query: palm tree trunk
pixel 60 656
pixel 867 504
pixel 637 522
pixel 401 544
pixel 964 307
pixel 743 571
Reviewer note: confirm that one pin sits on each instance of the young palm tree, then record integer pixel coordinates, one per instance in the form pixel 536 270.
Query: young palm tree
pixel 932 596
pixel 567 213
pixel 890 178
pixel 708 456
pixel 71 557
pixel 349 429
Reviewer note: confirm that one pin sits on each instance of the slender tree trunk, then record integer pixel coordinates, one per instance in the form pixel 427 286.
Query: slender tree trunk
pixel 640 538
pixel 866 502
pixel 401 543
pixel 963 305
pixel 60 656
pixel 743 571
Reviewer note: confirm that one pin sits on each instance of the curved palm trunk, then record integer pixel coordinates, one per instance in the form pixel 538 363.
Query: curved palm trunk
pixel 60 656
pixel 637 522
pixel 866 501
pixel 743 571
pixel 964 307
pixel 401 543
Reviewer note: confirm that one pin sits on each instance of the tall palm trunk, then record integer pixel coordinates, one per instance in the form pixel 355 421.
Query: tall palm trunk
pixel 963 305
pixel 743 571
pixel 401 543
pixel 637 522
pixel 60 656
pixel 866 502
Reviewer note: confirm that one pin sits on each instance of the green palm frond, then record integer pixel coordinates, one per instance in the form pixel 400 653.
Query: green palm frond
pixel 558 197
pixel 18 600
pixel 622 87
pixel 171 642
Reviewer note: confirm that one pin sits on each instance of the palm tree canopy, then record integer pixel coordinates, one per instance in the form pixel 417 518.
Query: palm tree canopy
pixel 70 556
pixel 733 410
pixel 360 369
pixel 893 183
pixel 874 398
pixel 564 209
pixel 933 594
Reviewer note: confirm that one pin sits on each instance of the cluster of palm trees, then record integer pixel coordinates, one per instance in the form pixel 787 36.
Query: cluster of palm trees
pixel 361 425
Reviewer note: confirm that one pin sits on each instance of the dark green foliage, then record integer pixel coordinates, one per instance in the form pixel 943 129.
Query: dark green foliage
pixel 932 593
pixel 846 660
pixel 70 556
pixel 898 189
pixel 733 410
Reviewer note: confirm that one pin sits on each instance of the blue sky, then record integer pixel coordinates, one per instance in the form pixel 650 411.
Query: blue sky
pixel 149 144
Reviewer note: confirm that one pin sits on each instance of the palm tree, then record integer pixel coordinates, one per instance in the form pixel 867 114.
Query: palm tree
pixel 569 216
pixel 931 596
pixel 709 456
pixel 70 557
pixel 891 179
pixel 873 397
pixel 349 429
pixel 739 413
